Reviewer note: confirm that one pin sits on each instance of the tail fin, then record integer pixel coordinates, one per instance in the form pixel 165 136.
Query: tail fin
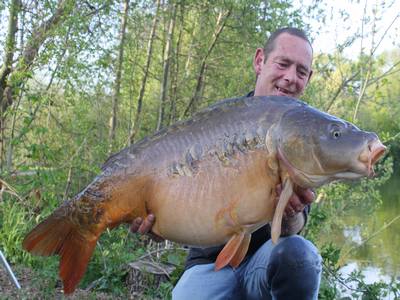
pixel 59 236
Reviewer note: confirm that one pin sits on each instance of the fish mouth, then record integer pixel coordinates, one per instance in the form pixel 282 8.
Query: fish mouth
pixel 371 155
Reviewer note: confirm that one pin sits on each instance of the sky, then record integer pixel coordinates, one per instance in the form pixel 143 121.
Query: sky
pixel 344 19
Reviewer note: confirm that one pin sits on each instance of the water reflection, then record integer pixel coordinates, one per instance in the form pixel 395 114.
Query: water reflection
pixel 371 241
pixel 354 234
pixel 371 274
pixel 380 232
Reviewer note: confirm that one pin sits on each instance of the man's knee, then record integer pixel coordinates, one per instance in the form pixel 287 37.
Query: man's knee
pixel 295 251
pixel 296 260
pixel 202 282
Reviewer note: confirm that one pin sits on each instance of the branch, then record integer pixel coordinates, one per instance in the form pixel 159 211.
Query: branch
pixel 372 235
pixel 367 83
pixel 340 88
pixel 384 34
pixel 136 122
pixel 341 280
pixel 38 37
pixel 367 78
pixel 158 251
pixel 5 187
pixel 69 179
pixel 387 73
pixel 361 95
pixel 392 138
pixel 218 31
pixel 117 84
pixel 40 34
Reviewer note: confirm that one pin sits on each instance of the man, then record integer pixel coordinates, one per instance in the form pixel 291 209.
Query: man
pixel 292 268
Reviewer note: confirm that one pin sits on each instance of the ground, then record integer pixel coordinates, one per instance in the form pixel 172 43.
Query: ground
pixel 31 289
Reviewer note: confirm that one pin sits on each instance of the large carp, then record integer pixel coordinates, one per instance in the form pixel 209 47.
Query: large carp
pixel 209 180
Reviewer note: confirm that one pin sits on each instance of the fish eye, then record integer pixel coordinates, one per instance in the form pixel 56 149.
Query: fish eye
pixel 336 134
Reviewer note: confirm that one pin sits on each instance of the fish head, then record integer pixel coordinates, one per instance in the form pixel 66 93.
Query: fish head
pixel 317 148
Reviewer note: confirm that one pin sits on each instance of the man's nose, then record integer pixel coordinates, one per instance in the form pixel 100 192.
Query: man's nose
pixel 291 74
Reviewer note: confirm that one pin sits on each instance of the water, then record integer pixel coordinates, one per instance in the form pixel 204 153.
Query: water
pixel 371 275
pixel 372 241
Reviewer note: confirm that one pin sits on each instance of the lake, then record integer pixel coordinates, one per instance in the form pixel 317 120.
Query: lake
pixel 372 241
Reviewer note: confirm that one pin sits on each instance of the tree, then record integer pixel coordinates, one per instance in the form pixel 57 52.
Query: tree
pixel 117 85
pixel 136 122
pixel 166 66
pixel 220 24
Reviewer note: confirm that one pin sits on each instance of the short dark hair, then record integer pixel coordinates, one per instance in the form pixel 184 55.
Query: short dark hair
pixel 270 43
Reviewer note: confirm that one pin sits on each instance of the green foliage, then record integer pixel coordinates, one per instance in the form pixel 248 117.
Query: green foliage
pixel 54 134
pixel 354 286
pixel 108 264
pixel 338 202
pixel 174 256
pixel 13 226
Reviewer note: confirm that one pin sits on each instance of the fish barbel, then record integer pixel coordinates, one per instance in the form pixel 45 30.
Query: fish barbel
pixel 210 180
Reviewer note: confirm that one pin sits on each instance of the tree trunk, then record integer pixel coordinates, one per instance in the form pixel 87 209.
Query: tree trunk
pixel 117 86
pixel 6 67
pixel 174 86
pixel 200 78
pixel 39 36
pixel 11 79
pixel 10 44
pixel 191 48
pixel 136 123
pixel 166 64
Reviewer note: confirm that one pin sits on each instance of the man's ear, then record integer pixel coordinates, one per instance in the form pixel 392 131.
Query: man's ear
pixel 309 76
pixel 258 61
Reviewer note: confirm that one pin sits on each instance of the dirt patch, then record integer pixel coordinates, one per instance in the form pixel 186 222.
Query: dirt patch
pixel 31 289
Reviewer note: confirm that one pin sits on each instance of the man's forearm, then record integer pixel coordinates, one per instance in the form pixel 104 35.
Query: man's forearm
pixel 293 225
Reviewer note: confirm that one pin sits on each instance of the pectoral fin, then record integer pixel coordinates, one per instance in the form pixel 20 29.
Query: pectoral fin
pixel 241 252
pixel 280 208
pixel 234 251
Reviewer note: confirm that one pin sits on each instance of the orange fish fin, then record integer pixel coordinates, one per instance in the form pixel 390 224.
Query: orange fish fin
pixel 276 227
pixel 57 236
pixel 229 251
pixel 75 255
pixel 47 237
pixel 241 252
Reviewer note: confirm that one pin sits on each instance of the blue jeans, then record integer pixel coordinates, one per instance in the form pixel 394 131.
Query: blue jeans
pixel 289 270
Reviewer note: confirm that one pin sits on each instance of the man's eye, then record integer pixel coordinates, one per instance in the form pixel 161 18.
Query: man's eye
pixel 282 65
pixel 302 74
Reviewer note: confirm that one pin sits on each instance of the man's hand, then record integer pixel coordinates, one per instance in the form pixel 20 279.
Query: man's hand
pixel 293 218
pixel 144 227
pixel 299 199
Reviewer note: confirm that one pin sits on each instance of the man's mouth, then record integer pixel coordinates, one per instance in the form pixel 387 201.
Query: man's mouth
pixel 283 92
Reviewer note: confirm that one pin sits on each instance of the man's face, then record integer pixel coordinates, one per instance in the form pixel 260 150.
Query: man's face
pixel 287 69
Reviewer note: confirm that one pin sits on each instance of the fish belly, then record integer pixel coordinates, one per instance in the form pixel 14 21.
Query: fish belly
pixel 208 207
